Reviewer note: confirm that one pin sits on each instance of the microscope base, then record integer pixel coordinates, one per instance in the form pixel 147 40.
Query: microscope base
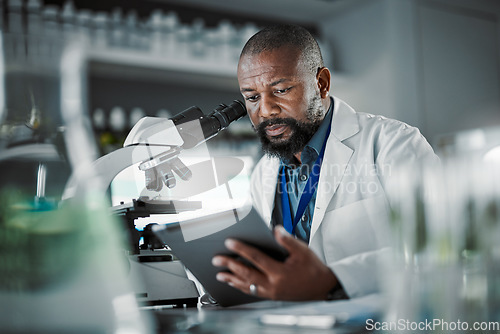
pixel 164 280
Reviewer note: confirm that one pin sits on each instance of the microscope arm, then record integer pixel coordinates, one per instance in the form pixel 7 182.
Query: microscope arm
pixel 107 167
pixel 156 143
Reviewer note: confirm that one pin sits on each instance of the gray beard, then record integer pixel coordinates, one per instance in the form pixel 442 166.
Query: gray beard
pixel 302 132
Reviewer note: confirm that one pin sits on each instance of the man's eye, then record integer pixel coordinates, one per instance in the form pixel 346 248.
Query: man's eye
pixel 281 91
pixel 252 98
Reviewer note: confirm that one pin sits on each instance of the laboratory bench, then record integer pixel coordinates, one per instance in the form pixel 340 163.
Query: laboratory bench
pixel 344 316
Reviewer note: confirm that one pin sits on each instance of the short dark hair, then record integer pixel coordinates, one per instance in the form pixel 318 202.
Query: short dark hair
pixel 277 36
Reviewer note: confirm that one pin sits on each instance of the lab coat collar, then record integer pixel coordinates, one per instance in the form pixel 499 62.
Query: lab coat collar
pixel 344 125
pixel 344 121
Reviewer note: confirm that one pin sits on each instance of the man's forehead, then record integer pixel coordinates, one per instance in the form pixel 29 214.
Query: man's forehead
pixel 268 63
pixel 277 55
pixel 262 69
pixel 265 77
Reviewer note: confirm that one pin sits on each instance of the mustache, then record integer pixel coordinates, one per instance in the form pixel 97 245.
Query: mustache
pixel 261 128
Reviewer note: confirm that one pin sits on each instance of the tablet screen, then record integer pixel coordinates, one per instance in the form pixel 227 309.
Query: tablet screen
pixel 195 242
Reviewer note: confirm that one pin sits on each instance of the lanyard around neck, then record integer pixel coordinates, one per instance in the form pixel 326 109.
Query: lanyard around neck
pixel 307 193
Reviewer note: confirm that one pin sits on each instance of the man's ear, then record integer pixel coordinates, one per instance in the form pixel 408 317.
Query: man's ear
pixel 323 80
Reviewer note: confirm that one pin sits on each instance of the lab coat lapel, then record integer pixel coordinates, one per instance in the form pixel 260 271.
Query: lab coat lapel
pixel 267 200
pixel 337 156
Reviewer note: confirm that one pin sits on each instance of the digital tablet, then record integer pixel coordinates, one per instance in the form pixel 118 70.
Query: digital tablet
pixel 195 242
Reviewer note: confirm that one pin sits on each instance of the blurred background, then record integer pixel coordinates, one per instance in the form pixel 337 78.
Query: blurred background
pixel 434 64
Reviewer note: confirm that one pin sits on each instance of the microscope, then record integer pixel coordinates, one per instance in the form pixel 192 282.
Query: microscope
pixel 155 144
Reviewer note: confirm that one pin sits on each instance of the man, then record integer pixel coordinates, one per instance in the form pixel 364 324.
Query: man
pixel 323 176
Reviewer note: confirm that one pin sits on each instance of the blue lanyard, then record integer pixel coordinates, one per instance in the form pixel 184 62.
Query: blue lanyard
pixel 307 193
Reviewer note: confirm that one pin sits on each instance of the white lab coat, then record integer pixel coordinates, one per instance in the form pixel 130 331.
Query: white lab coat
pixel 350 225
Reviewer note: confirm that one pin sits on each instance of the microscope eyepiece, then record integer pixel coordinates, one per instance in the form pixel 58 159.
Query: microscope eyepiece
pixel 195 128
pixel 210 124
pixel 228 114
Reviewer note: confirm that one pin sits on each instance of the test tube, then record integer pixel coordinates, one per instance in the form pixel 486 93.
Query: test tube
pixel 117 119
pixel 83 23
pixel 198 33
pixel 50 17
pixel 15 19
pixel 135 115
pixel 163 113
pixel 170 26
pixel 116 38
pixel 99 39
pixel 183 38
pixel 68 17
pixel 34 19
pixel 131 30
pixel 156 25
pixel 226 33
pixel 1 16
pixel 99 119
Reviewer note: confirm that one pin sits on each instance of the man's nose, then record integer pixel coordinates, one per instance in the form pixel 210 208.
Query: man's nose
pixel 268 107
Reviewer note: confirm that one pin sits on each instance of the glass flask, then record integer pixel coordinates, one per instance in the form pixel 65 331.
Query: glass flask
pixel 62 265
pixel 445 262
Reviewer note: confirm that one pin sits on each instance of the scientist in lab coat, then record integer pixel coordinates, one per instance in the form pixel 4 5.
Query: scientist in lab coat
pixel 322 182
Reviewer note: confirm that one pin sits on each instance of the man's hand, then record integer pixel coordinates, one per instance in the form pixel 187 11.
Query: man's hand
pixel 301 277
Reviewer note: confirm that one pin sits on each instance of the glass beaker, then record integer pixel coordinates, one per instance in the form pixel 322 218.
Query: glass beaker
pixel 445 262
pixel 62 264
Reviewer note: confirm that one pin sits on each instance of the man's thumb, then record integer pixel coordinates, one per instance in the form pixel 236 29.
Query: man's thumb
pixel 286 240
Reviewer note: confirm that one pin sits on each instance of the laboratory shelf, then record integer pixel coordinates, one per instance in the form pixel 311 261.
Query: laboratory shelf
pixel 146 66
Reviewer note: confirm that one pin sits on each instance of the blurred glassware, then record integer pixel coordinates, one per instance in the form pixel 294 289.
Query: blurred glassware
pixel 198 44
pixel 155 24
pixel 184 37
pixel 162 36
pixel 62 268
pixel 132 30
pixel 446 226
pixel 170 24
pixel 99 119
pixel 474 144
pixel 227 41
pixel 135 115
pixel 50 20
pixel 117 119
pixel 34 20
pixel 82 23
pixel 164 113
pixel 101 28
pixel 15 16
pixel 116 33
pixel 68 19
